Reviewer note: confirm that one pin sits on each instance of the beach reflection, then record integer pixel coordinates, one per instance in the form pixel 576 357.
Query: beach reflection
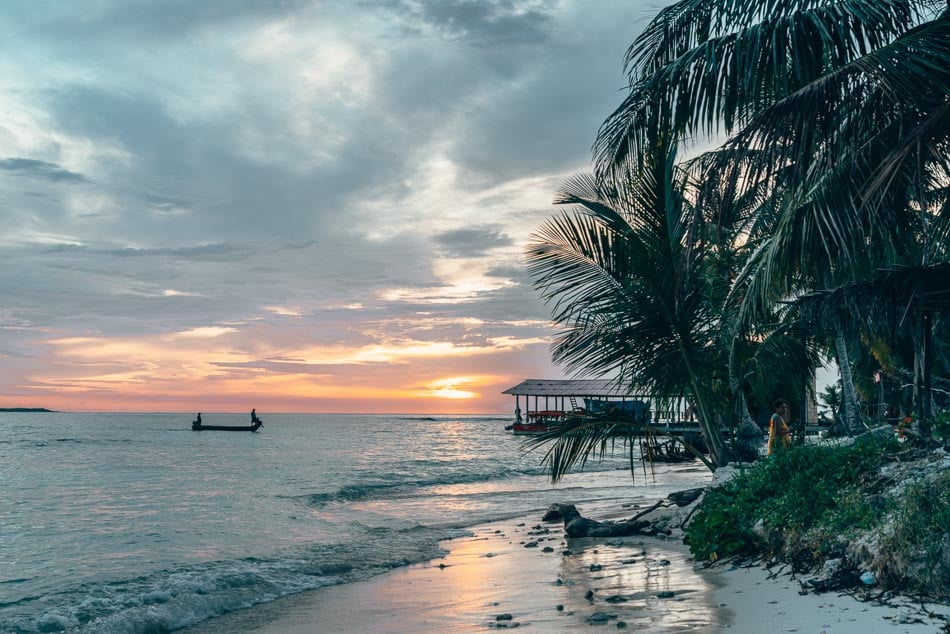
pixel 649 584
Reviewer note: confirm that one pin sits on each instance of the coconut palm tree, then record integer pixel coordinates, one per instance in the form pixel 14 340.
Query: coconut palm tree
pixel 629 289
pixel 840 108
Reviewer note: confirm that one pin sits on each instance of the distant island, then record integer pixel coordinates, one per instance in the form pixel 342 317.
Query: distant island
pixel 25 409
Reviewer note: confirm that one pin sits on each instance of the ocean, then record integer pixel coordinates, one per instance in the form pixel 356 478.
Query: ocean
pixel 113 522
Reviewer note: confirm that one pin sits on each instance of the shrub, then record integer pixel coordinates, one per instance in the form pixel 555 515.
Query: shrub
pixel 791 493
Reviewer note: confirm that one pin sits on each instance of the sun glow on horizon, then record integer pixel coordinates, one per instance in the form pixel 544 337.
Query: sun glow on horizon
pixel 215 367
pixel 449 388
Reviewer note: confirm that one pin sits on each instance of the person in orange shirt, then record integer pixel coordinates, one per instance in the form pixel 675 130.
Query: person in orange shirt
pixel 780 436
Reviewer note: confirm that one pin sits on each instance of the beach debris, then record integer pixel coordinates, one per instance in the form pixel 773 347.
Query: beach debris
pixel 531 545
pixel 687 497
pixel 589 595
pixel 490 555
pixel 596 567
pixel 504 617
pixel 600 617
pixel 868 578
pixel 559 607
pixel 547 549
pixel 616 598
pixel 575 525
pixel 621 625
pixel 665 594
pixel 834 575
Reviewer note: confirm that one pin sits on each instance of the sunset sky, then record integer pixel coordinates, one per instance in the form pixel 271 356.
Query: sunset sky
pixel 298 206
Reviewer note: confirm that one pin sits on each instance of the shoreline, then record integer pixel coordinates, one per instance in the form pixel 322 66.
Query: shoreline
pixel 525 573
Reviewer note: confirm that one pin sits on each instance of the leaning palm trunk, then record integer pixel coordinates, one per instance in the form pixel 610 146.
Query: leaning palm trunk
pixel 849 397
pixel 718 452
pixel 748 431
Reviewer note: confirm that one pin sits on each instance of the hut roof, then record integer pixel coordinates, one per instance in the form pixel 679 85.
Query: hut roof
pixel 570 387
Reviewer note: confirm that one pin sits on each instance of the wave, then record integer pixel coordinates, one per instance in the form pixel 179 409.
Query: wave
pixel 358 492
pixel 174 599
pixel 31 442
pixel 411 487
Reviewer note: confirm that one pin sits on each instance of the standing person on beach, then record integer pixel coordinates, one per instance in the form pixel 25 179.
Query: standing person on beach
pixel 780 437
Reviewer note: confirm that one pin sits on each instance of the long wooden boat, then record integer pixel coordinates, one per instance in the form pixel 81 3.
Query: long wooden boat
pixel 527 429
pixel 196 426
pixel 535 422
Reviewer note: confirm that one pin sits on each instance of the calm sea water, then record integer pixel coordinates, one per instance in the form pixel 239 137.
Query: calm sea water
pixel 135 523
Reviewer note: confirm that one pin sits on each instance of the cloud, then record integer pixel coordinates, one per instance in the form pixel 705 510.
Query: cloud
pixel 42 170
pixel 327 195
pixel 210 252
pixel 470 242
pixel 480 22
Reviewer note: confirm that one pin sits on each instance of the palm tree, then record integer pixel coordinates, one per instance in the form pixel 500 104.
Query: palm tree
pixel 635 291
pixel 840 109
pixel 831 398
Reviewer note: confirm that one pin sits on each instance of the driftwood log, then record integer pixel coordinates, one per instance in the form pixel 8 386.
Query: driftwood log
pixel 576 525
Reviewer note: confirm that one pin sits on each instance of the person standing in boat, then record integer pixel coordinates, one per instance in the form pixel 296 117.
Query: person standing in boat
pixel 198 420
pixel 254 417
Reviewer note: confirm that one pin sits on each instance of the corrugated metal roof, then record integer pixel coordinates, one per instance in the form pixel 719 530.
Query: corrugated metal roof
pixel 570 387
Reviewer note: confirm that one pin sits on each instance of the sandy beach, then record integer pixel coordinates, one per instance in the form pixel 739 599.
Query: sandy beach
pixel 525 574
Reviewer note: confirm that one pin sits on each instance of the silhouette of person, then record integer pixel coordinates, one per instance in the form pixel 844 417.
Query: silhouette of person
pixel 254 415
pixel 199 418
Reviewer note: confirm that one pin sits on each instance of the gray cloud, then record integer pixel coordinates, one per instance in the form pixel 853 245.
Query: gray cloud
pixel 480 22
pixel 470 242
pixel 41 169
pixel 205 252
pixel 137 19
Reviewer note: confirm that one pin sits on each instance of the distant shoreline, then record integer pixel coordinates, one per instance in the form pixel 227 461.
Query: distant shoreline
pixel 26 409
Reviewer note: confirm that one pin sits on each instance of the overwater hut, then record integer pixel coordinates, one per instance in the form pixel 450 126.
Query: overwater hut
pixel 542 401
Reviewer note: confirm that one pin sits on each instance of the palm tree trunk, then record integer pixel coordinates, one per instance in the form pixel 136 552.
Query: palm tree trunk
pixel 747 431
pixel 922 393
pixel 718 451
pixel 848 394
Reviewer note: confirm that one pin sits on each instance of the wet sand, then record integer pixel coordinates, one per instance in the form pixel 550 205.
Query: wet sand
pixel 646 584
pixel 524 574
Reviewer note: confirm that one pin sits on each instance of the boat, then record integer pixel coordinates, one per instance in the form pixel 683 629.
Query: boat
pixel 536 422
pixel 257 424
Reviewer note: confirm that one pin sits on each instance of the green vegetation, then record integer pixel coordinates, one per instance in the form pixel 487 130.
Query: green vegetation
pixel 807 505
pixel 791 493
